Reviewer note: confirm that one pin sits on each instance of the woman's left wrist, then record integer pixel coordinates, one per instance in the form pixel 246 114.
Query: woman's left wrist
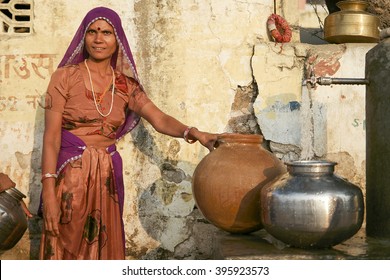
pixel 186 135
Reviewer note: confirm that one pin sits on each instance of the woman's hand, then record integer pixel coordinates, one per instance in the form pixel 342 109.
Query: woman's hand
pixel 209 140
pixel 51 211
pixel 25 209
pixel 7 183
pixel 51 147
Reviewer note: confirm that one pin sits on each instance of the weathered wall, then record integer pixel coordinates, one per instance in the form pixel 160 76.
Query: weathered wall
pixel 210 64
pixel 321 122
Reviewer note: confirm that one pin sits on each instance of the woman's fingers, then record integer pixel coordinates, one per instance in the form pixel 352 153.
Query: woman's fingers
pixel 25 209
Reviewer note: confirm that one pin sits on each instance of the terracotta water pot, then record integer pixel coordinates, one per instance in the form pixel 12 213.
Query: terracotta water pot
pixel 227 182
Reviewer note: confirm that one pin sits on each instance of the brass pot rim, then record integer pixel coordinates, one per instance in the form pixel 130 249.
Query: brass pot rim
pixel 355 3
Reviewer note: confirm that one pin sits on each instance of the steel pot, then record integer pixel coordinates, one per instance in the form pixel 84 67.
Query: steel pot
pixel 311 207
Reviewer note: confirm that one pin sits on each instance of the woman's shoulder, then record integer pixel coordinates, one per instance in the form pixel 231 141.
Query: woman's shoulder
pixel 66 70
pixel 121 76
pixel 124 83
pixel 65 76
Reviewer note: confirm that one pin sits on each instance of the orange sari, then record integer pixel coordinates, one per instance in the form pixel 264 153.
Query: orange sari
pixel 91 222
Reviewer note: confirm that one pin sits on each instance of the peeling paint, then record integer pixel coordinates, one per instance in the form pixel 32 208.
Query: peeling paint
pixel 243 119
pixel 186 196
pixel 325 62
pixel 171 173
pixel 24 160
pixel 168 193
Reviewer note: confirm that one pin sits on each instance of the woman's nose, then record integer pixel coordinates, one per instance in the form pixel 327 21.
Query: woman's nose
pixel 98 37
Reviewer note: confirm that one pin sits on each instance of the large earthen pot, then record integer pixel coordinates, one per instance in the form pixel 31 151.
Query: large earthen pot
pixel 227 182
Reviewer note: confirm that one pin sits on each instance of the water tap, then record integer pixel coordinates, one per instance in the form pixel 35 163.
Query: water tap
pixel 326 81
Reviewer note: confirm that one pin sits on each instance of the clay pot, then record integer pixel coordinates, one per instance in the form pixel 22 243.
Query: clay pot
pixel 13 221
pixel 227 182
pixel 311 207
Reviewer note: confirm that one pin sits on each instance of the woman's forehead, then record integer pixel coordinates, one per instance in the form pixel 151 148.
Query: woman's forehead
pixel 101 24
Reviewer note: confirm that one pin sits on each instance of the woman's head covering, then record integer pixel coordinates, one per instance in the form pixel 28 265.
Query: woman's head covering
pixel 122 60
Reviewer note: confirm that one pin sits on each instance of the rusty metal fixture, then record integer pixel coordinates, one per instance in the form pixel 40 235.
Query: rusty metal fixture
pixel 352 24
pixel 311 207
pixel 227 182
pixel 327 81
pixel 13 221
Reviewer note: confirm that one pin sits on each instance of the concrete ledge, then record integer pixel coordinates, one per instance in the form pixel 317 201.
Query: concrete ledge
pixel 261 246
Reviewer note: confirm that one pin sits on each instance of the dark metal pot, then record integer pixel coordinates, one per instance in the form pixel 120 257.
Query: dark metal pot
pixel 13 220
pixel 310 207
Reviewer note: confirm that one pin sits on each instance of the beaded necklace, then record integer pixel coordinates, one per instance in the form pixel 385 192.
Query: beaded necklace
pixel 93 92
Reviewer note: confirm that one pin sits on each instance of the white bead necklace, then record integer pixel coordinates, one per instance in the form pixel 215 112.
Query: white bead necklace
pixel 93 92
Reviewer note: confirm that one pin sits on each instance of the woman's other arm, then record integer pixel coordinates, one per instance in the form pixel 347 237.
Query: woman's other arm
pixel 51 147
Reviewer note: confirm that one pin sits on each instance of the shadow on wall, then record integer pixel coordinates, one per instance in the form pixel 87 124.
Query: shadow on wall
pixel 190 234
pixel 313 36
pixel 177 233
pixel 34 193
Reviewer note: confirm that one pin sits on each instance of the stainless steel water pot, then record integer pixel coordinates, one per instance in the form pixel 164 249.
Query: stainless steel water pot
pixel 311 207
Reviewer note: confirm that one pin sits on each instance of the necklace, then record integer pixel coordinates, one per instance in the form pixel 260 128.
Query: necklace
pixel 93 92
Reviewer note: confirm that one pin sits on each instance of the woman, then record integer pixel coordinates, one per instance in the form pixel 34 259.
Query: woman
pixel 91 102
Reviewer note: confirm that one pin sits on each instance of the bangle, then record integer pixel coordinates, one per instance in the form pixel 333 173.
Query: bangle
pixel 185 135
pixel 48 175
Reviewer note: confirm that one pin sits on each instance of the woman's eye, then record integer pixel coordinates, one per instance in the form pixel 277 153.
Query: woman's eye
pixel 107 32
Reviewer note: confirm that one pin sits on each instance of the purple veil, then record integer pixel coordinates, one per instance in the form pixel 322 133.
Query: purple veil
pixel 122 60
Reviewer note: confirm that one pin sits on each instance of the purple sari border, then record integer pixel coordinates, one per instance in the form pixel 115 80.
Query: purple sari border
pixel 72 148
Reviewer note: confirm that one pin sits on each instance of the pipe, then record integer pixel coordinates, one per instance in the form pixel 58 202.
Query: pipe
pixel 326 81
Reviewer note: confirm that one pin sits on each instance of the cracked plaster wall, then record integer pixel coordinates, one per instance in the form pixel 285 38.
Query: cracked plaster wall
pixel 208 63
pixel 325 122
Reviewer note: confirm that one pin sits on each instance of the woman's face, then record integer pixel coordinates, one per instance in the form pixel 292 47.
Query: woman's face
pixel 100 41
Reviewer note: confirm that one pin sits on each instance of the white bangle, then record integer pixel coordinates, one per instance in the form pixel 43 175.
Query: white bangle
pixel 185 135
pixel 48 175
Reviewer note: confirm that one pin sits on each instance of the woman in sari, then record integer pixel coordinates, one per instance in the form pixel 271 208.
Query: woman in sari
pixel 93 99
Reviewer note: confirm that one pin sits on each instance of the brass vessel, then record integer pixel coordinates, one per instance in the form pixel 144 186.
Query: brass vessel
pixel 352 24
